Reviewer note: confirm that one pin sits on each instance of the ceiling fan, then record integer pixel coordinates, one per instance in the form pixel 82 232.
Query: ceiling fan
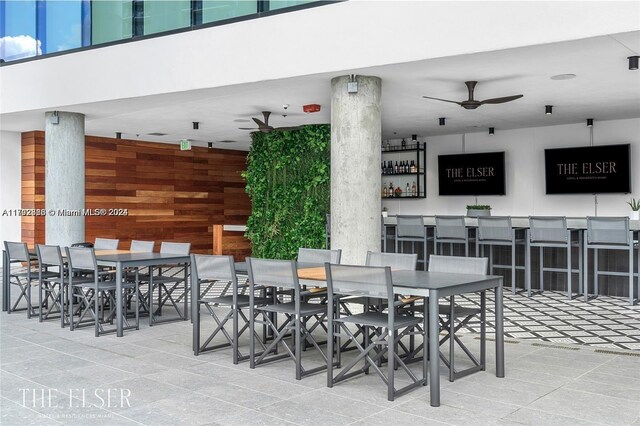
pixel 263 126
pixel 472 103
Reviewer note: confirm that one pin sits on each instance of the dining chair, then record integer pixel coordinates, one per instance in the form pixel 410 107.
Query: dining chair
pixel 210 270
pixel 498 231
pixel 18 252
pixel 91 291
pixel 552 232
pixel 133 275
pixel 106 244
pixel 609 233
pixel 267 274
pixel 52 297
pixel 453 313
pixel 167 283
pixel 387 328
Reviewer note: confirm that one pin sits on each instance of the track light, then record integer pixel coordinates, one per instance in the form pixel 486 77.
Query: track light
pixel 492 131
pixel 118 135
pixel 414 138
pixel 548 109
pixel 589 122
pixel 441 121
pixel 196 125
pixel 633 62
pixel 210 144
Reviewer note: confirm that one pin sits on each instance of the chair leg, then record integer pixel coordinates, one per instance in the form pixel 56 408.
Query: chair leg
pixel 631 298
pixel 390 367
pixel 596 283
pixel 483 329
pixel 585 272
pixel 569 271
pixel 541 268
pixel 513 266
pixel 298 346
pixel 452 316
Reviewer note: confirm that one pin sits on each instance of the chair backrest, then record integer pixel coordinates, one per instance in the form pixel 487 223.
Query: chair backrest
pixel 550 229
pixel 106 244
pixel 49 255
pixel 458 264
pixel 608 230
pixel 396 261
pixel 319 255
pixel 81 258
pixel 175 248
pixel 213 267
pixel 410 226
pixel 142 246
pixel 273 273
pixel 495 228
pixel 368 281
pixel 451 227
pixel 17 251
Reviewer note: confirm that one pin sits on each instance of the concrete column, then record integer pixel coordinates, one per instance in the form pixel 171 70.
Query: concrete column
pixel 64 178
pixel 356 133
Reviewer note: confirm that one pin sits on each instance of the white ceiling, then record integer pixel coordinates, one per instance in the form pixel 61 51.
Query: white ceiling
pixel 604 89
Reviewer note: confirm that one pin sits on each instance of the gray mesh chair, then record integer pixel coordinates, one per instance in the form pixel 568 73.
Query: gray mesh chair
pixel 551 231
pixel 307 255
pixel 106 244
pixel 167 283
pixel 388 328
pixel 139 246
pixel 210 270
pixel 463 315
pixel 608 233
pixel 133 275
pixel 411 229
pixel 53 285
pixel 19 253
pixel 451 230
pixel 498 231
pixel 265 274
pixel 91 291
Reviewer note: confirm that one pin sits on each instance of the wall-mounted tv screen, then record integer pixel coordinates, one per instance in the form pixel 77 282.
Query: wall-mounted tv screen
pixel 588 170
pixel 471 174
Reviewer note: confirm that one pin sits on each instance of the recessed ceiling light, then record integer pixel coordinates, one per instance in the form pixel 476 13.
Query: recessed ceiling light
pixel 563 77
pixel 240 120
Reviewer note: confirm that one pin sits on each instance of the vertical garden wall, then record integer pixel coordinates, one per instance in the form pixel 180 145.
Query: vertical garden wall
pixel 288 182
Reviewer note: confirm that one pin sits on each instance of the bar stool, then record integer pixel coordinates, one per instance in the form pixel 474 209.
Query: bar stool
pixel 498 231
pixel 551 231
pixel 608 233
pixel 412 229
pixel 451 230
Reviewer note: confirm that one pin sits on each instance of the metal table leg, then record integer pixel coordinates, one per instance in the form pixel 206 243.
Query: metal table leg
pixel 434 347
pixel 119 299
pixel 499 325
pixel 5 282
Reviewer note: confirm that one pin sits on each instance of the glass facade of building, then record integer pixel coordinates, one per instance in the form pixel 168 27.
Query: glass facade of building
pixel 40 27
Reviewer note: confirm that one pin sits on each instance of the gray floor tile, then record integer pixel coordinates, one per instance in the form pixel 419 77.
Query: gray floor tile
pixel 304 414
pixel 533 417
pixel 244 397
pixel 398 417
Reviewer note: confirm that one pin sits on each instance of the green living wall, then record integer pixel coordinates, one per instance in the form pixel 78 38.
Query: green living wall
pixel 288 183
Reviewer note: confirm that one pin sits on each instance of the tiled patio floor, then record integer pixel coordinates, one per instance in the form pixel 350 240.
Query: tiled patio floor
pixel 163 383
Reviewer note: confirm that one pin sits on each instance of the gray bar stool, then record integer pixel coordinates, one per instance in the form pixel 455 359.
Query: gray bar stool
pixel 609 233
pixel 551 231
pixel 498 231
pixel 412 229
pixel 451 230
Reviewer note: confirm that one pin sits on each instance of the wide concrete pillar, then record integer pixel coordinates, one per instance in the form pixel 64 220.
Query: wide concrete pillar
pixel 64 178
pixel 356 133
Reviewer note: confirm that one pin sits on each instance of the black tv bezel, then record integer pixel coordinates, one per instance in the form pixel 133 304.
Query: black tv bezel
pixel 471 154
pixel 586 148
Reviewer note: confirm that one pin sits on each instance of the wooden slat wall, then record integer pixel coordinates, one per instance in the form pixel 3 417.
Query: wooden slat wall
pixel 170 195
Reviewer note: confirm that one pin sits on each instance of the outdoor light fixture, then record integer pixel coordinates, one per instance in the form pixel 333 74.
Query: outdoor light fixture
pixel 54 119
pixel 589 122
pixel 548 109
pixel 441 121
pixel 414 138
pixel 210 144
pixel 196 125
pixel 633 62
pixel 492 131
pixel 118 135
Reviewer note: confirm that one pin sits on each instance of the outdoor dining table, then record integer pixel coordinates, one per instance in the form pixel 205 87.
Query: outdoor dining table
pixel 431 285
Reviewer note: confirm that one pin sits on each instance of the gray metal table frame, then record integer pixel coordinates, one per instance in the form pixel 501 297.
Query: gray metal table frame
pixel 435 285
pixel 138 260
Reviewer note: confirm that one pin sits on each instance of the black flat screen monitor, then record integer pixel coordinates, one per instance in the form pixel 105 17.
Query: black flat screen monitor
pixel 471 174
pixel 588 170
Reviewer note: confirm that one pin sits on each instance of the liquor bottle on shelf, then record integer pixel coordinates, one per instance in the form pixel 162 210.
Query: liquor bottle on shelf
pixel 414 189
pixel 413 167
pixel 407 191
pixel 396 169
pixel 384 190
pixel 387 146
pixel 390 192
pixel 403 144
pixel 407 169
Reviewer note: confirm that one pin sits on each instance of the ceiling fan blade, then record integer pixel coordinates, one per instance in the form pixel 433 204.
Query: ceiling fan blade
pixel 501 100
pixel 443 100
pixel 288 128
pixel 247 128
pixel 259 122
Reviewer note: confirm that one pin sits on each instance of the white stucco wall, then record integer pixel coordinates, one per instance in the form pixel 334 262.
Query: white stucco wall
pixel 10 184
